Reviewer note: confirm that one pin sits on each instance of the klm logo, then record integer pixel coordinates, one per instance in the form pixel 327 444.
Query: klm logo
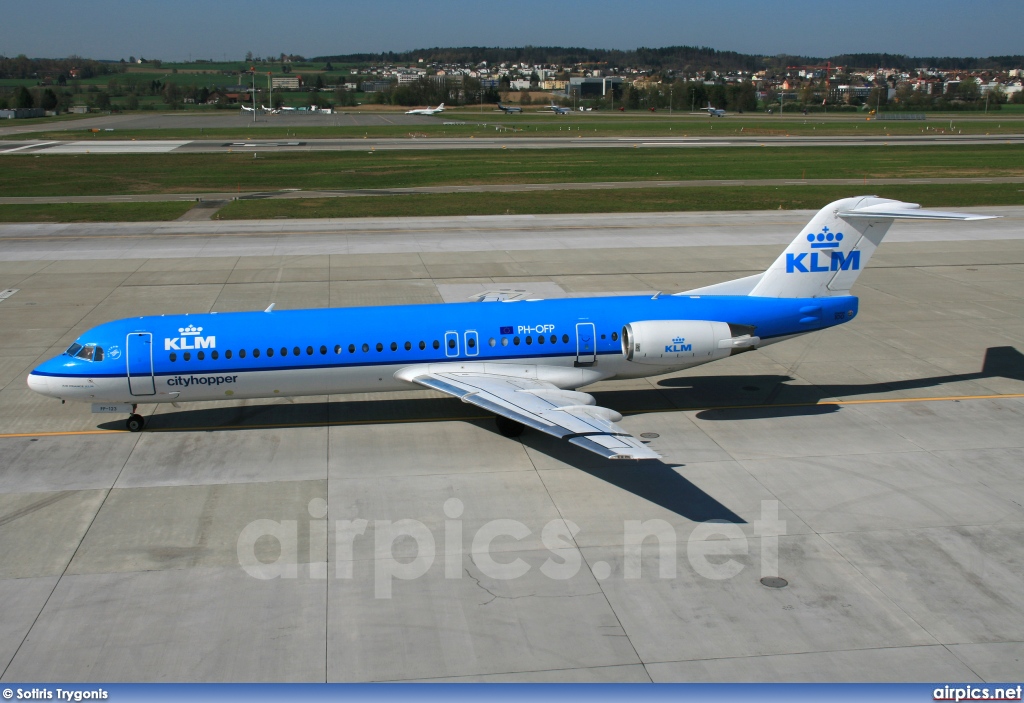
pixel 809 263
pixel 190 339
pixel 830 260
pixel 678 345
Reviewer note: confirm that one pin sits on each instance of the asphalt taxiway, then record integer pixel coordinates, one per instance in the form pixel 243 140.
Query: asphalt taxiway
pixel 891 447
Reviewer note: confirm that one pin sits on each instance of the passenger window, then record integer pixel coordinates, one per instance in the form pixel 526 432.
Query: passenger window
pixel 241 353
pixel 380 347
pixel 565 339
pixel 200 355
pixel 215 355
pixel 284 351
pixel 227 354
pixel 337 348
pixel 173 357
pixel 408 346
pixel 491 341
pixel 323 349
pixel 540 339
pixel 270 352
pixel 309 351
pixel 554 338
pixel 515 340
pixel 615 336
pixel 471 343
pixel 188 356
pixel 296 351
pixel 504 341
pixel 351 348
pixel 366 347
pixel 423 345
pixel 437 344
pixel 255 353
pixel 529 339
pixel 451 343
pixel 394 346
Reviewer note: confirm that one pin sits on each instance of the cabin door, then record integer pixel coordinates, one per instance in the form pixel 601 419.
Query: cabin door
pixel 140 363
pixel 586 344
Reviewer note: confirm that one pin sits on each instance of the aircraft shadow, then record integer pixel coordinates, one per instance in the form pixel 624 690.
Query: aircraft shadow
pixel 654 481
pixel 763 395
pixel 772 396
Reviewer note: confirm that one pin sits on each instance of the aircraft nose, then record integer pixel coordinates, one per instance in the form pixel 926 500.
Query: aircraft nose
pixel 39 383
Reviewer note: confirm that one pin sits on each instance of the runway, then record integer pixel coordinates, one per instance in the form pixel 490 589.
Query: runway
pixel 890 447
pixel 862 184
pixel 501 140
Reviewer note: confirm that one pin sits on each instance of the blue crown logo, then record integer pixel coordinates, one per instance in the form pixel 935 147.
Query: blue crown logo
pixel 825 239
pixel 678 340
pixel 191 330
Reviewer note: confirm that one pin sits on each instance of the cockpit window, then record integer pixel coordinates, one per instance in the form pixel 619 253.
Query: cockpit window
pixel 86 352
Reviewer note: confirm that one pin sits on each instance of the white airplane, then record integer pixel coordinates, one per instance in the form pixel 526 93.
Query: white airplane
pixel 427 110
pixel 559 110
pixel 524 361
pixel 248 109
pixel 289 109
pixel 270 110
pixel 714 111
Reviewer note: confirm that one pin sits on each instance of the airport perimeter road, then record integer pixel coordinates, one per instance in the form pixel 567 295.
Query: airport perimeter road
pixel 495 142
pixel 881 462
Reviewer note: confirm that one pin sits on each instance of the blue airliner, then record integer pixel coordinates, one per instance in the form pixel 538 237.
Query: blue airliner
pixel 523 360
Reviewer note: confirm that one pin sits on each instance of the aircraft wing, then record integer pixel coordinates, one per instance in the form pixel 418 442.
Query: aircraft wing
pixel 569 415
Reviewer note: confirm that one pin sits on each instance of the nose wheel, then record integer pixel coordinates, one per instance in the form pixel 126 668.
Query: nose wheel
pixel 135 423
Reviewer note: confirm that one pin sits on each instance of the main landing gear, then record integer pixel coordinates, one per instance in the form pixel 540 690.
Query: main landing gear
pixel 135 422
pixel 509 428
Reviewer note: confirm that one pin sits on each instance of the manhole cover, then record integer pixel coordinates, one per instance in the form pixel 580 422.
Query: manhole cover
pixel 774 582
pixel 751 388
pixel 649 435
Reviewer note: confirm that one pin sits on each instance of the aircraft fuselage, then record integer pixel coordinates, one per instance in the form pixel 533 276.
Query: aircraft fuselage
pixel 572 342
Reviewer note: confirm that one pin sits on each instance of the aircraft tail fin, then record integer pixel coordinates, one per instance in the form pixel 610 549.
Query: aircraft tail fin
pixel 831 250
pixel 835 246
pixel 1004 361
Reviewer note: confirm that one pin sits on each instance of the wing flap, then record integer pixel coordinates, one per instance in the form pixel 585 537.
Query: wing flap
pixel 568 415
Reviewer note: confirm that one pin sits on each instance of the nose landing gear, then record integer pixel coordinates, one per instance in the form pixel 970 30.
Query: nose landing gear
pixel 135 422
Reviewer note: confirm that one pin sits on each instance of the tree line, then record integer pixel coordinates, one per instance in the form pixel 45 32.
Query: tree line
pixel 686 59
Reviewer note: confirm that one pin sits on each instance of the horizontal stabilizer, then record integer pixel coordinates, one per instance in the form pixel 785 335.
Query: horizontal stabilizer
pixel 887 213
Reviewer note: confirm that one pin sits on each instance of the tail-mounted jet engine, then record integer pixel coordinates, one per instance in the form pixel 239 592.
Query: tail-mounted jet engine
pixel 684 342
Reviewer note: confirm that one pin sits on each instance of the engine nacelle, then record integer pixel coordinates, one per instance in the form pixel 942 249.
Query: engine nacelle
pixel 680 343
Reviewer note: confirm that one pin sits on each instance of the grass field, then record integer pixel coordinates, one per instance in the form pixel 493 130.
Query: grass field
pixel 107 174
pixel 631 200
pixel 490 124
pixel 94 212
